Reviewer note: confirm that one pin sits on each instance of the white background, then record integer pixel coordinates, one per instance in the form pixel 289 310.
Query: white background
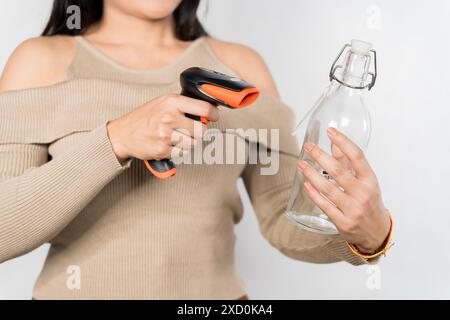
pixel 410 110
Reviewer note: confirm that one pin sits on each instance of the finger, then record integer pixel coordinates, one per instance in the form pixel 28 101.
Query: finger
pixel 335 215
pixel 196 107
pixel 325 187
pixel 341 157
pixel 183 141
pixel 189 127
pixel 352 151
pixel 332 166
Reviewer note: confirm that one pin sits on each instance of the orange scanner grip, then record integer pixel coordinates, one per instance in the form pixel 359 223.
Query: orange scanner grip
pixel 234 99
pixel 160 174
pixel 204 120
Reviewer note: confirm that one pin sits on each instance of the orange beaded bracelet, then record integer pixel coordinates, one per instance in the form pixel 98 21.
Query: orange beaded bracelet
pixel 383 248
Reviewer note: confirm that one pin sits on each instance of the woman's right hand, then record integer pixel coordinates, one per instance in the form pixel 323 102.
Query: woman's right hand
pixel 159 129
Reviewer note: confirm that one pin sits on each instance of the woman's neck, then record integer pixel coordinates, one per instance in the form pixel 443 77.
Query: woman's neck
pixel 117 27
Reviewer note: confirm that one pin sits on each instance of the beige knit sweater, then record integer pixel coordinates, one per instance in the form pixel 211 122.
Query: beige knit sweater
pixel 130 235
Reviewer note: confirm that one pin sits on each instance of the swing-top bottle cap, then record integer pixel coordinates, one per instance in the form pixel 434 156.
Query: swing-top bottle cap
pixel 356 66
pixel 359 46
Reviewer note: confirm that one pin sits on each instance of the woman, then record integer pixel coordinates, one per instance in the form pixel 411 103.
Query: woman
pixel 130 236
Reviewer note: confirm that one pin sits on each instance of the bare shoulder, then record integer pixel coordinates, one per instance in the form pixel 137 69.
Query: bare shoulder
pixel 245 62
pixel 38 62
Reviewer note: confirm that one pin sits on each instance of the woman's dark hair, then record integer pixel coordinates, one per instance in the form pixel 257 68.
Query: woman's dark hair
pixel 187 25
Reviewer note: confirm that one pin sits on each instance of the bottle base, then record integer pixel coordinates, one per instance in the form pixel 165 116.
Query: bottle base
pixel 312 223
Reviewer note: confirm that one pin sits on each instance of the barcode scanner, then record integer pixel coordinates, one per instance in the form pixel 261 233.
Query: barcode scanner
pixel 211 86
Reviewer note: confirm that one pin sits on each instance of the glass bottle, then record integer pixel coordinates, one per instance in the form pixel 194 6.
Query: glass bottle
pixel 343 107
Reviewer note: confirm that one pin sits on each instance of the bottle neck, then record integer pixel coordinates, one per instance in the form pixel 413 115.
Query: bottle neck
pixel 355 69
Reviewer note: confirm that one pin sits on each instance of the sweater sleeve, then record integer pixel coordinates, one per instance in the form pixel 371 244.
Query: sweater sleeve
pixel 38 198
pixel 269 195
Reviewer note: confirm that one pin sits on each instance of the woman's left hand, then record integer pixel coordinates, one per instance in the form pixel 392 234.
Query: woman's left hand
pixel 354 205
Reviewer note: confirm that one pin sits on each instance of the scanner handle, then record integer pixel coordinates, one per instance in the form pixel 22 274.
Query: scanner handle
pixel 162 169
